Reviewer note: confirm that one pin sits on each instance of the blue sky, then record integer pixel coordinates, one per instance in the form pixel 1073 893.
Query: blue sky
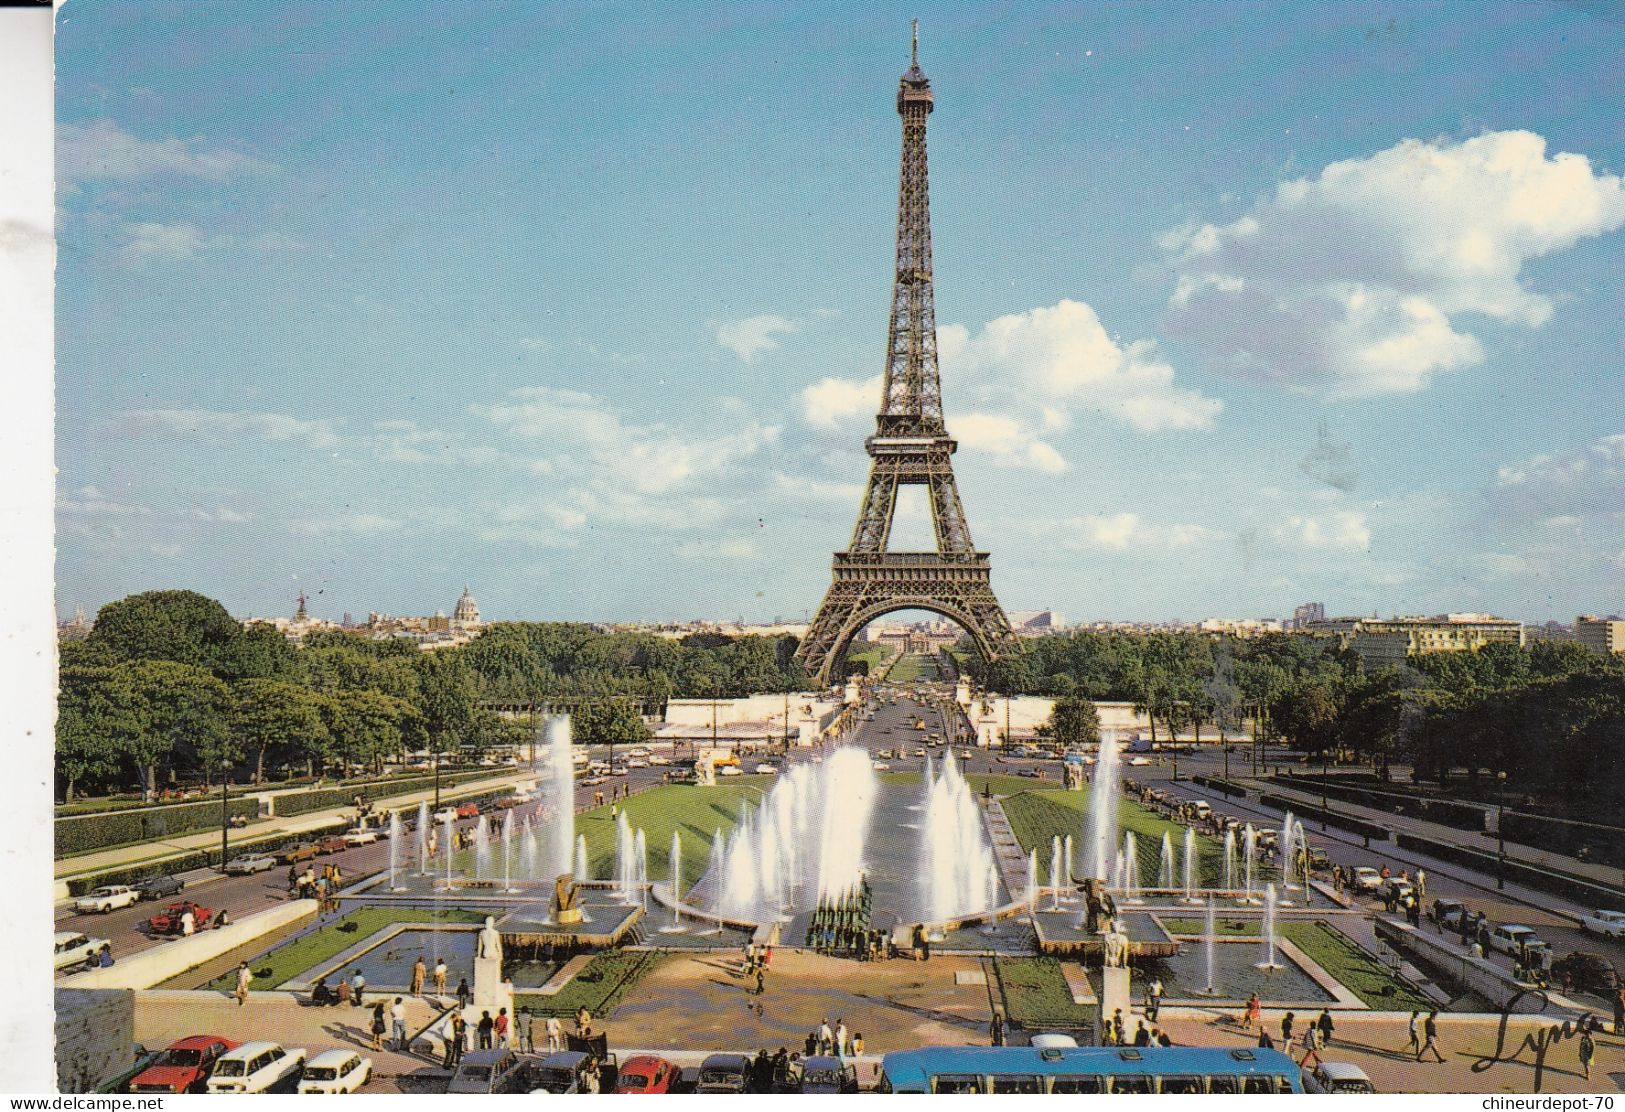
pixel 584 306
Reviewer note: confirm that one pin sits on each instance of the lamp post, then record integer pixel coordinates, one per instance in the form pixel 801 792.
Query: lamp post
pixel 1500 845
pixel 1324 770
pixel 225 811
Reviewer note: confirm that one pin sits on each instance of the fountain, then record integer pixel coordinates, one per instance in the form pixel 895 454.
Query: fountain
pixel 674 872
pixel 1249 847
pixel 1032 883
pixel 423 837
pixel 527 851
pixel 1071 868
pixel 482 849
pixel 1055 873
pixel 1131 869
pixel 581 859
pixel 624 847
pixel 640 877
pixel 1229 860
pixel 555 813
pixel 714 870
pixel 447 840
pixel 1208 951
pixel 954 847
pixel 992 899
pixel 1103 807
pixel 1283 846
pixel 1269 961
pixel 507 852
pixel 1190 865
pixel 394 850
pixel 1165 867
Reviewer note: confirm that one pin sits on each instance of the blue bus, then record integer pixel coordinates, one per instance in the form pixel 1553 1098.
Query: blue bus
pixel 1089 1069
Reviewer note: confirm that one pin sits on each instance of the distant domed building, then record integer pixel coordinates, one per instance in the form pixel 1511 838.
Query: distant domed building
pixel 466 614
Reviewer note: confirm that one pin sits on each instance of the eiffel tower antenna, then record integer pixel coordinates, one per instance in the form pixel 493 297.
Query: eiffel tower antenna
pixel 910 446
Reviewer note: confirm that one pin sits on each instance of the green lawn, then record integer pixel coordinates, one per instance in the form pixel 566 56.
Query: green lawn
pixel 1038 815
pixel 1035 994
pixel 289 961
pixel 913 667
pixel 1365 976
pixel 599 987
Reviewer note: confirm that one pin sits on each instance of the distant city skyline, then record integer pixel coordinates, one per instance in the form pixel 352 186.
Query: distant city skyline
pixel 1239 307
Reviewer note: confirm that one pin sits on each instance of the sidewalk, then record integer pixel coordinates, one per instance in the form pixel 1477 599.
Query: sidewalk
pixel 102 860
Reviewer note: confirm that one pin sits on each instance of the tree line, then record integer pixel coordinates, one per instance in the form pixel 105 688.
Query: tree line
pixel 167 683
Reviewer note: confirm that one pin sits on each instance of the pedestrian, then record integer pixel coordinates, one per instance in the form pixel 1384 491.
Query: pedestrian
pixel 996 1028
pixel 1287 1022
pixel 1421 886
pixel 464 996
pixel 1430 1037
pixel 222 919
pixel 555 1035
pixel 810 1044
pixel 244 979
pixel 454 1041
pixel 1588 1051
pixel 1326 1027
pixel 397 1017
pixel 105 958
pixel 583 1022
pixel 440 977
pixel 761 985
pixel 1255 1013
pixel 590 1080
pixel 486 1027
pixel 1142 1037
pixel 499 1027
pixel 188 923
pixel 1264 1040
pixel 1153 999
pixel 1415 1045
pixel 1619 1011
pixel 378 1026
pixel 1161 1038
pixel 527 1034
pixel 857 1045
pixel 842 1046
pixel 1311 1046
pixel 1118 1026
pixel 341 995
pixel 826 1038
pixel 358 986
pixel 293 879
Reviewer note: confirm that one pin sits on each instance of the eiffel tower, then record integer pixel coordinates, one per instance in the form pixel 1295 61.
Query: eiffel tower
pixel 910 446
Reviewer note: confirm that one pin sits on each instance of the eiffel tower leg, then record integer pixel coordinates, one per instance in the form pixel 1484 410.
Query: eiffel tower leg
pixel 873 529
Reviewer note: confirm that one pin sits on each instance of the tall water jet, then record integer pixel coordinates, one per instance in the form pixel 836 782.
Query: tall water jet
pixel 527 850
pixel 640 878
pixel 1249 847
pixel 1103 808
pixel 1190 865
pixel 674 874
pixel 1229 860
pixel 507 851
pixel 394 848
pixel 555 785
pixel 1208 950
pixel 482 849
pixel 624 847
pixel 714 870
pixel 849 787
pixel 1131 868
pixel 955 849
pixel 1284 845
pixel 581 859
pixel 448 838
pixel 423 837
pixel 1055 873
pixel 1071 866
pixel 1269 961
pixel 1032 883
pixel 1165 867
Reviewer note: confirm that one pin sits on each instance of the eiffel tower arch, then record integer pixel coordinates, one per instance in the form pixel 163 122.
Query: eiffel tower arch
pixel 910 446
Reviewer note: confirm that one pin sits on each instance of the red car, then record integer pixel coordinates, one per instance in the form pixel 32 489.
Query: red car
pixel 468 811
pixel 334 844
pixel 183 1067
pixel 646 1074
pixel 168 921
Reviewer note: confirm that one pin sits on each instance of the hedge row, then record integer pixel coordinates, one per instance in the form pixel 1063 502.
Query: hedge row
pixel 1226 788
pixel 199 859
pixel 1305 813
pixel 1605 845
pixel 1462 816
pixel 1560 884
pixel 117 828
pixel 302 802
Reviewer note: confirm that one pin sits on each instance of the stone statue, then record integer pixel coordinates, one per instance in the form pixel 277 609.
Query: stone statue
pixel 1116 946
pixel 490 942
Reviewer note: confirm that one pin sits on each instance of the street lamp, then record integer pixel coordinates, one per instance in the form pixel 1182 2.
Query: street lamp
pixel 1324 770
pixel 225 811
pixel 1500 845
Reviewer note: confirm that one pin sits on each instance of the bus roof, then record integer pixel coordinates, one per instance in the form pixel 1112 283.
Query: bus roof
pixel 905 1066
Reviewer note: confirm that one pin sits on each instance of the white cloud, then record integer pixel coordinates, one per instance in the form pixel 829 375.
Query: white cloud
pixel 103 150
pixel 1006 442
pixel 359 524
pixel 214 426
pixel 831 403
pixel 90 500
pixel 750 337
pixel 147 240
pixel 1119 531
pixel 1568 491
pixel 1344 530
pixel 1349 283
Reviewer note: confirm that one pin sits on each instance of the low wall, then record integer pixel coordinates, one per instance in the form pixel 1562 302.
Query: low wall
pixel 1544 880
pixel 94 1033
pixel 1480 975
pixel 171 959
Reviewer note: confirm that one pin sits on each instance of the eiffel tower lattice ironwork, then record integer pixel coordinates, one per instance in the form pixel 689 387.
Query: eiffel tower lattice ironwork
pixel 911 446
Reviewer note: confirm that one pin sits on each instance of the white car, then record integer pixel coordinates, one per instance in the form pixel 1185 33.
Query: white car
pixel 73 949
pixel 1139 762
pixel 254 1067
pixel 360 836
pixel 245 863
pixel 657 759
pixel 638 751
pixel 730 770
pixel 1366 879
pixel 1608 923
pixel 766 769
pixel 881 766
pixel 106 898
pixel 448 814
pixel 1341 1077
pixel 637 762
pixel 335 1071
pixel 1511 938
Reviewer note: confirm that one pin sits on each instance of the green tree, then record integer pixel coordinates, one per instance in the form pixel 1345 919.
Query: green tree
pixel 1075 721
pixel 179 626
pixel 273 716
pixel 98 718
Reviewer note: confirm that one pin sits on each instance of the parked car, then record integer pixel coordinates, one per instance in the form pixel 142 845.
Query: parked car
pixel 1447 913
pixel 1139 762
pixel 359 836
pixel 246 863
pixel 468 810
pixel 1608 923
pixel 730 770
pixel 561 1072
pixel 765 769
pixel 335 1071
pixel 104 899
pixel 183 1066
pixel 1591 972
pixel 881 766
pixel 489 1071
pixel 1511 938
pixel 647 1073
pixel 290 855
pixel 333 843
pixel 72 948
pixel 254 1067
pixel 1366 879
pixel 1397 888
pixel 168 921
pixel 823 1074
pixel 657 759
pixel 160 887
pixel 1339 1077
pixel 724 1073
pixel 637 762
pixel 1318 858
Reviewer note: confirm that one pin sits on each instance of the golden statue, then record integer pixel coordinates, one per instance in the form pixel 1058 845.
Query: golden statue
pixel 564 899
